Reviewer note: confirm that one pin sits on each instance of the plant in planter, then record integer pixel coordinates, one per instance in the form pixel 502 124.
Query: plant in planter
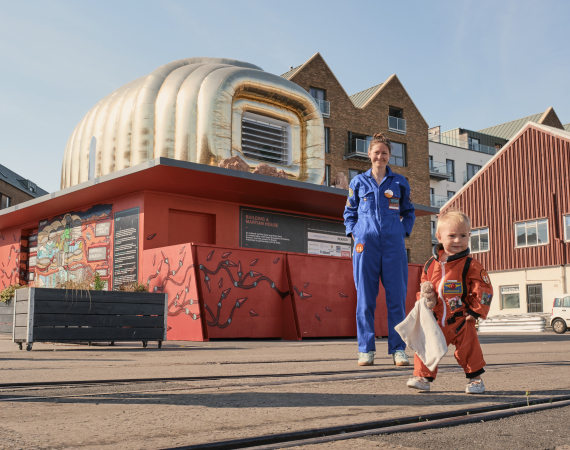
pixel 7 293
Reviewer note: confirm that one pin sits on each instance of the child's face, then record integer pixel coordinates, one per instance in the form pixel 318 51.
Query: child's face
pixel 455 238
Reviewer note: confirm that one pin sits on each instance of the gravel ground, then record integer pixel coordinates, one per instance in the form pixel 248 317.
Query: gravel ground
pixel 542 430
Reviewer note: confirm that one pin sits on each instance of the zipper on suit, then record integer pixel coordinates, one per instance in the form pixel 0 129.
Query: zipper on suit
pixel 440 292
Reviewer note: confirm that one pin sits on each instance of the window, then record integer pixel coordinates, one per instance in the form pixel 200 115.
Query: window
pixel 5 201
pixel 567 228
pixel 532 233
pixel 352 173
pixel 398 157
pixel 450 169
pixel 327 139
pixel 473 144
pixel 510 297
pixel 408 255
pixel 480 240
pixel 318 94
pixel 265 139
pixel 450 194
pixel 433 229
pixel 396 112
pixel 472 169
pixel 327 181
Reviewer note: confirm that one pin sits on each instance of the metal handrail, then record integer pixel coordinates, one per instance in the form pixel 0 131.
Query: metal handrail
pixel 439 167
pixel 396 124
pixel 324 106
pixel 437 201
pixel 462 144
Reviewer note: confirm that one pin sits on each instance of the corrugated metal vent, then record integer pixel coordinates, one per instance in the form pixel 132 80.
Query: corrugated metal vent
pixel 265 139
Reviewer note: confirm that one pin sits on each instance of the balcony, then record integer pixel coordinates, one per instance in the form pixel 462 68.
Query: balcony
pixel 325 107
pixel 462 144
pixel 357 149
pixel 468 175
pixel 438 171
pixel 437 201
pixel 396 125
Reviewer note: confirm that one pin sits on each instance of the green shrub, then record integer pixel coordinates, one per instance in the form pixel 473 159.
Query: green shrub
pixel 8 292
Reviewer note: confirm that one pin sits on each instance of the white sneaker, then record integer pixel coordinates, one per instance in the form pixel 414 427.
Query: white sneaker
pixel 475 387
pixel 400 358
pixel 366 359
pixel 420 383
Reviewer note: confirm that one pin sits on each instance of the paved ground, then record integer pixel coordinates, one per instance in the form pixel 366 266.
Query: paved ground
pixel 159 415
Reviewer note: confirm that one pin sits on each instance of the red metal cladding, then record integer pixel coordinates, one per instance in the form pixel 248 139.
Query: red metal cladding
pixel 527 180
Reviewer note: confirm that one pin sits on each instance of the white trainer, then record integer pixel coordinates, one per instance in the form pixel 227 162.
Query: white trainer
pixel 366 359
pixel 419 383
pixel 400 358
pixel 475 387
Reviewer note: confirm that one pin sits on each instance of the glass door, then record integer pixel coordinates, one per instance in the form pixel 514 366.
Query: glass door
pixel 534 298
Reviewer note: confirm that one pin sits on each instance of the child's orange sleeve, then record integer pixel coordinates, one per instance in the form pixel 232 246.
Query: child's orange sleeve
pixel 480 291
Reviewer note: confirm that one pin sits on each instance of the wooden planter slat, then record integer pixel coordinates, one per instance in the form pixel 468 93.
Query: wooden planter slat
pixel 57 315
pixel 86 320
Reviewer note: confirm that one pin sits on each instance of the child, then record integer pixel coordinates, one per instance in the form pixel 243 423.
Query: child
pixel 463 293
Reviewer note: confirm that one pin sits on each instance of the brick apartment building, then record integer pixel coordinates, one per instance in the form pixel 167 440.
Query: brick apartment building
pixel 351 120
pixel 15 189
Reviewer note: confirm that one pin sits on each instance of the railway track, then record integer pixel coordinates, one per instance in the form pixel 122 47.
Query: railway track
pixel 390 426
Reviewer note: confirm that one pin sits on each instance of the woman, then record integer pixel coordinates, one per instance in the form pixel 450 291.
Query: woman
pixel 376 201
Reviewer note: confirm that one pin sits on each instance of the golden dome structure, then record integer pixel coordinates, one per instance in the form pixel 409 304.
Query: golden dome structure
pixel 201 110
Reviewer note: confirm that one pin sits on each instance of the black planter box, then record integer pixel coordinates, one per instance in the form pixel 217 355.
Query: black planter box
pixel 60 315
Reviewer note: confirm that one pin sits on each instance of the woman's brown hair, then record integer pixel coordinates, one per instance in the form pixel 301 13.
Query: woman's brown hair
pixel 380 138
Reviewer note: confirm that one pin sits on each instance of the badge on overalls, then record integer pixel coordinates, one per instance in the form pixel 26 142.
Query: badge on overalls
pixel 453 287
pixel 359 248
pixel 454 303
pixel 394 203
pixel 388 193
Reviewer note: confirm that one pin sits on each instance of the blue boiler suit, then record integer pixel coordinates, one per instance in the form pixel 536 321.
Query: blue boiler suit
pixel 373 219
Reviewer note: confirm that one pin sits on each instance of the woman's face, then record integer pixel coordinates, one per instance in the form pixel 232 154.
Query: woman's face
pixel 379 154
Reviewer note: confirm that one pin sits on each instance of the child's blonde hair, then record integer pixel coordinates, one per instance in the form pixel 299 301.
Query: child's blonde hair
pixel 454 217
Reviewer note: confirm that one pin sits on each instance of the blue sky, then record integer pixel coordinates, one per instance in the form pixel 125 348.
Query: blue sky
pixel 465 63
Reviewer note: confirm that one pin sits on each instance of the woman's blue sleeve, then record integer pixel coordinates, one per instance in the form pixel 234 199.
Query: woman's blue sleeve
pixel 351 209
pixel 407 210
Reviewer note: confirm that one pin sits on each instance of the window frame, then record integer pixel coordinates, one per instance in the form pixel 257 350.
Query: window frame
pixel 327 139
pixel 354 170
pixel 566 227
pixel 327 174
pixel 316 89
pixel 478 230
pixel 8 201
pixel 452 194
pixel 404 153
pixel 452 161
pixel 518 292
pixel 526 222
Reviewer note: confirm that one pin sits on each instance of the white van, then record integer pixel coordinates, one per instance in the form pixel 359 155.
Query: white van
pixel 560 314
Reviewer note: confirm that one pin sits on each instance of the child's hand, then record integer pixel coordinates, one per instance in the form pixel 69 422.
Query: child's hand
pixel 429 294
pixel 470 318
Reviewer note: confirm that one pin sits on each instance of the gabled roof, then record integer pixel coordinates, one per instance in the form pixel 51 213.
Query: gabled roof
pixel 545 128
pixel 293 71
pixel 19 182
pixel 567 127
pixel 509 129
pixel 360 98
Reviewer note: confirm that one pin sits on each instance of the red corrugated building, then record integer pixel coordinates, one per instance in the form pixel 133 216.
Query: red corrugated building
pixel 519 205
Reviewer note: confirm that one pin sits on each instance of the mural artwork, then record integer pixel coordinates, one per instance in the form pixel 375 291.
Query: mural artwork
pixel 74 246
pixel 10 259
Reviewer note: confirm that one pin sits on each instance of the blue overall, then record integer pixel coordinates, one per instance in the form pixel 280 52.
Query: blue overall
pixel 373 219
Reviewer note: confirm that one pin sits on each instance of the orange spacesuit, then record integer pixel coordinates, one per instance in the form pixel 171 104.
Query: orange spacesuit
pixel 463 288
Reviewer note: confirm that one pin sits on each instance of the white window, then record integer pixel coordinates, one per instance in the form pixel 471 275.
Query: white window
pixel 531 233
pixel 398 156
pixel 567 228
pixel 480 240
pixel 265 139
pixel 510 297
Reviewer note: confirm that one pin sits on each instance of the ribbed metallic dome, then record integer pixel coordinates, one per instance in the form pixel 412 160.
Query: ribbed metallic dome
pixel 191 110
